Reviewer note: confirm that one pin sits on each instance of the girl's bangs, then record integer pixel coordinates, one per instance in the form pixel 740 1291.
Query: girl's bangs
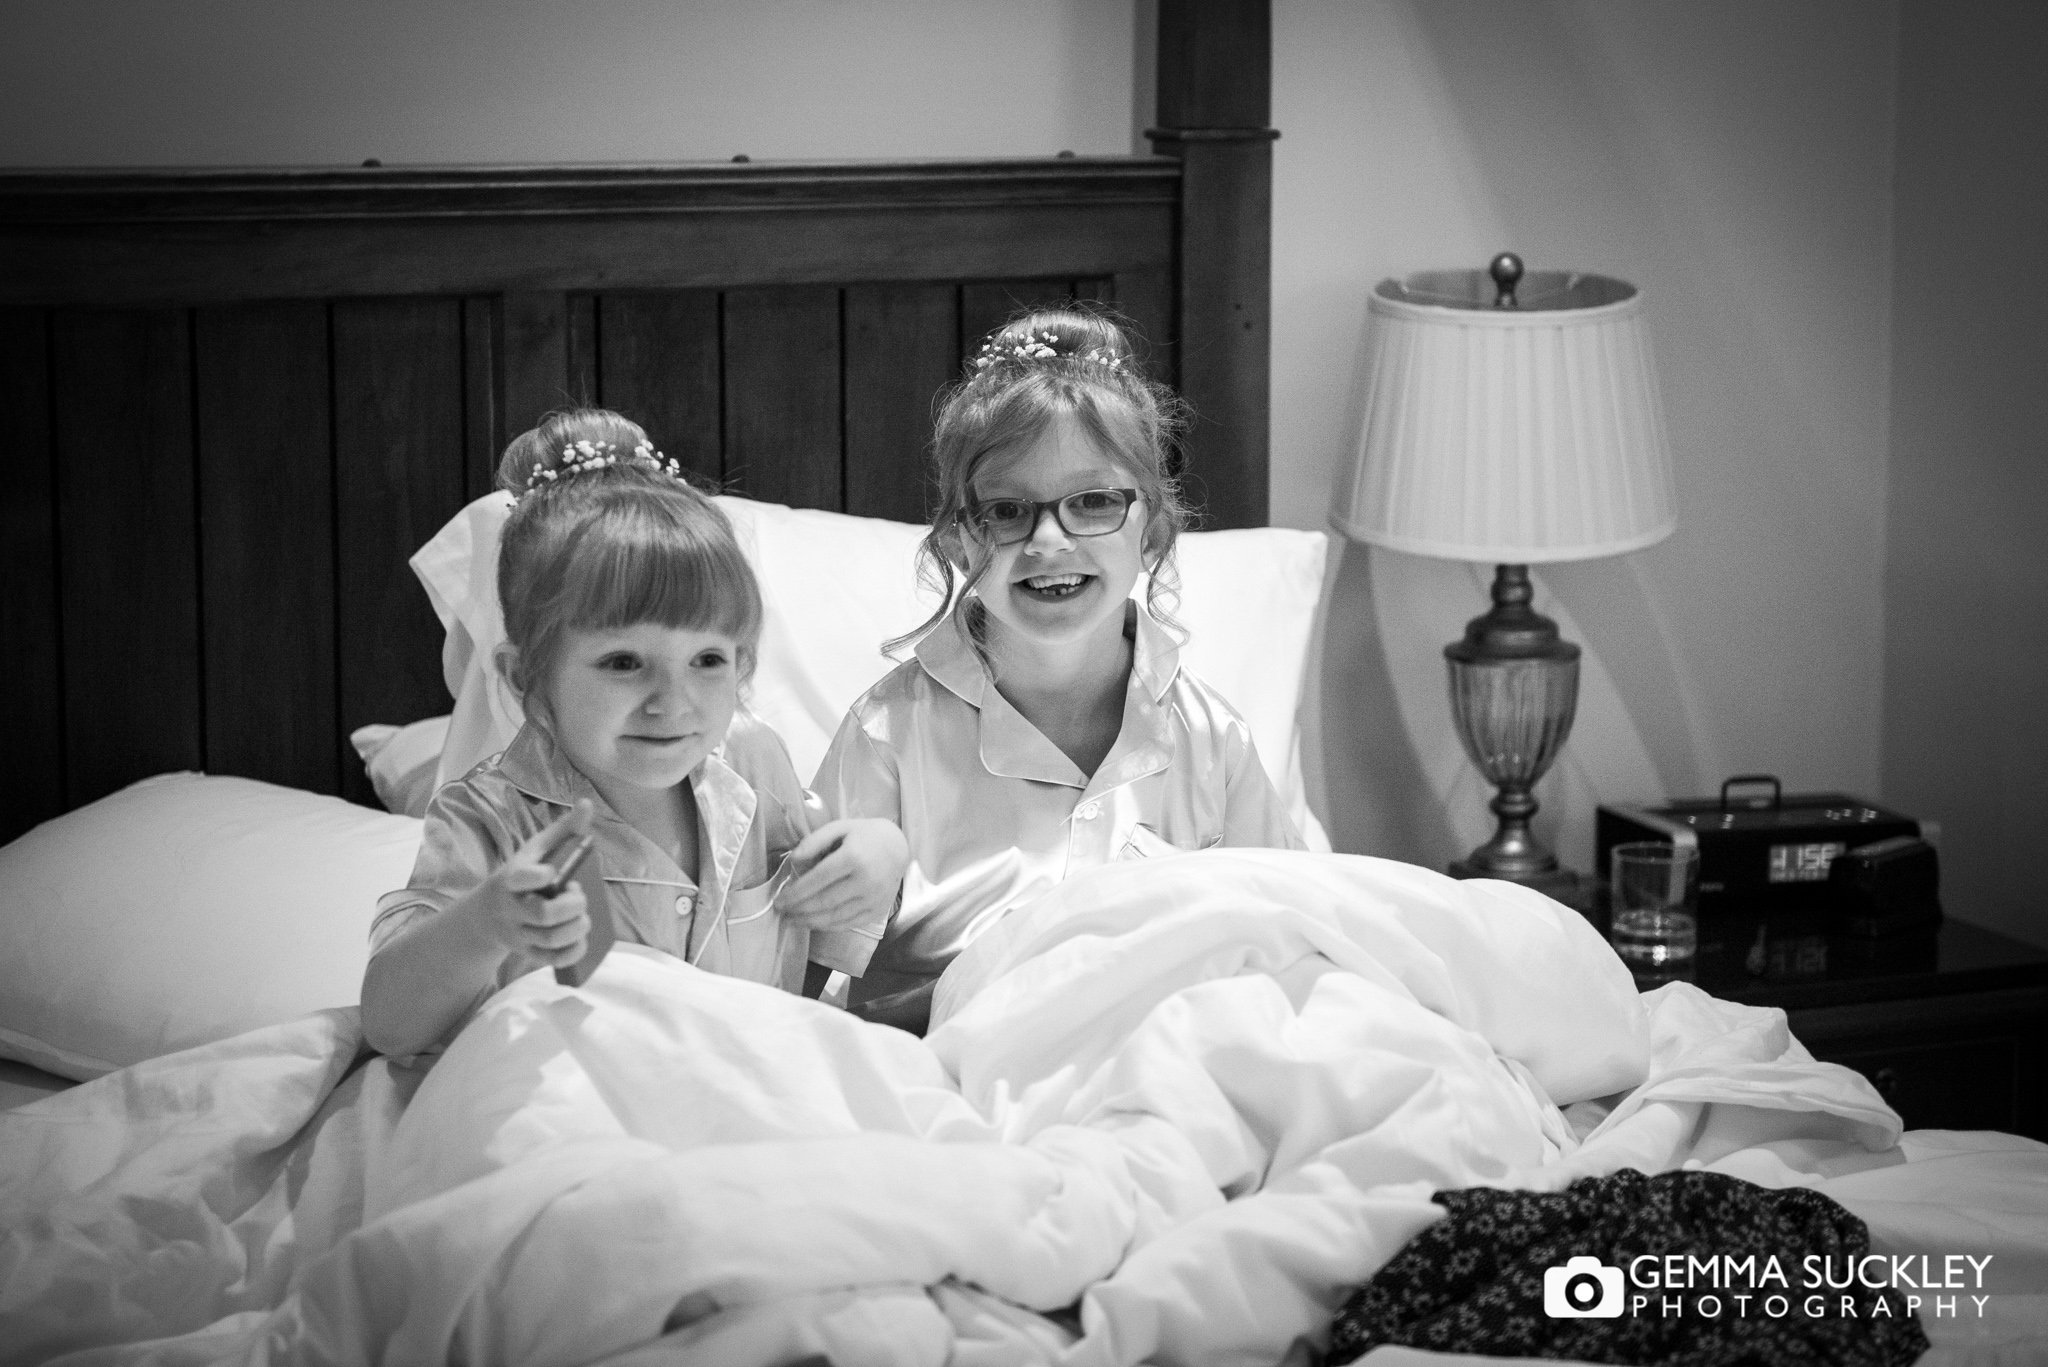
pixel 664 574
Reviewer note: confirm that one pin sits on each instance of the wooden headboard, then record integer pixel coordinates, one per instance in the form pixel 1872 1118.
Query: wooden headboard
pixel 239 400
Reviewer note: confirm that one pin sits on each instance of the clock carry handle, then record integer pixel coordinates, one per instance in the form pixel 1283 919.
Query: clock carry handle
pixel 1777 790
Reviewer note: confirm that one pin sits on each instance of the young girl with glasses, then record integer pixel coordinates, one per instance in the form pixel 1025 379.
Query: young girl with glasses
pixel 1044 724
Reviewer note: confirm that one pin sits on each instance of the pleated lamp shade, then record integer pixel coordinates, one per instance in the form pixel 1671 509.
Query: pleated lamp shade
pixel 1509 435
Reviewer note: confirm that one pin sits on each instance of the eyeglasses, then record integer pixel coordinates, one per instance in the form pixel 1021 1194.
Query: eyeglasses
pixel 1088 512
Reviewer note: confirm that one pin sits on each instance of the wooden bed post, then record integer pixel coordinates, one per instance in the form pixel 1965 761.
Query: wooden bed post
pixel 1215 100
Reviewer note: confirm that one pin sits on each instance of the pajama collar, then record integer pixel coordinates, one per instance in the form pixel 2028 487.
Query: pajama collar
pixel 1011 747
pixel 536 766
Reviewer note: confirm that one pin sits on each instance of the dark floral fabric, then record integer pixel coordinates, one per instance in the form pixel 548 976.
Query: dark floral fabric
pixel 1474 1281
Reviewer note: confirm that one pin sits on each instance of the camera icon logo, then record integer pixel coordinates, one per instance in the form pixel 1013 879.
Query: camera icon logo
pixel 1583 1289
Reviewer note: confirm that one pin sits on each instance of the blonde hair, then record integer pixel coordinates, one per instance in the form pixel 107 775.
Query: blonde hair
pixel 1043 365
pixel 613 542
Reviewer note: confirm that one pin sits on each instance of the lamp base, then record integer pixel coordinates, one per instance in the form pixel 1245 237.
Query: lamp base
pixel 1514 686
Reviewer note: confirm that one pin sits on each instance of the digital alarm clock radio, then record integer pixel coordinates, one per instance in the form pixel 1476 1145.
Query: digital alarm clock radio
pixel 1766 853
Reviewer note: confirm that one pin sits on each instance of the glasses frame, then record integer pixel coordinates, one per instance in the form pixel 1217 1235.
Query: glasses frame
pixel 1040 507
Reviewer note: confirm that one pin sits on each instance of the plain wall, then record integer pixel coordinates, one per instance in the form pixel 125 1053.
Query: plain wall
pixel 311 82
pixel 1965 732
pixel 1734 161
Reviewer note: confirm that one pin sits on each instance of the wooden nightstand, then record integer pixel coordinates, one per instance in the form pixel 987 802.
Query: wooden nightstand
pixel 1952 1027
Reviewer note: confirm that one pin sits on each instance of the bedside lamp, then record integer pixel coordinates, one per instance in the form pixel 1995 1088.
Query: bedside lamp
pixel 1511 420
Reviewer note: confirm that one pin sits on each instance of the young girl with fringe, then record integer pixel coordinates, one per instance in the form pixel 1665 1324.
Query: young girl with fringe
pixel 631 621
pixel 1044 724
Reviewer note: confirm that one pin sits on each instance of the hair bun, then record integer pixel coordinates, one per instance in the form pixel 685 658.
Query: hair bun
pixel 576 440
pixel 1052 335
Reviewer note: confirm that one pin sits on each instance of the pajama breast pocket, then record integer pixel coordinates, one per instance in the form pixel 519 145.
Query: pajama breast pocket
pixel 764 946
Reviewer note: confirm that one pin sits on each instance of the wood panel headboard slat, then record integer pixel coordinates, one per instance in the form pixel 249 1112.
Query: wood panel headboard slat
pixel 32 684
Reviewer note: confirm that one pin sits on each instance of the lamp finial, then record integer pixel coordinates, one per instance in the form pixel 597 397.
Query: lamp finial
pixel 1506 270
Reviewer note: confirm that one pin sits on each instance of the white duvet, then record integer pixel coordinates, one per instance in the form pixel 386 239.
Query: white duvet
pixel 1173 1113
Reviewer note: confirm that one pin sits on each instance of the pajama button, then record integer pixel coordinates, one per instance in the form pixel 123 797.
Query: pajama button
pixel 1089 811
pixel 683 905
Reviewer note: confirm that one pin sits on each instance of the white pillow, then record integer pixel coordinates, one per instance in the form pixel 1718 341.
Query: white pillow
pixel 836 586
pixel 1250 600
pixel 402 761
pixel 833 588
pixel 185 909
pixel 459 570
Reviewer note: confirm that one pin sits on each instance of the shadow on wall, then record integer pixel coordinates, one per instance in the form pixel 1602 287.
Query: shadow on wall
pixel 1398 784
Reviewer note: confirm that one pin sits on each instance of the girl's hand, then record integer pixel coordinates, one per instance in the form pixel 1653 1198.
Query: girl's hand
pixel 508 906
pixel 852 869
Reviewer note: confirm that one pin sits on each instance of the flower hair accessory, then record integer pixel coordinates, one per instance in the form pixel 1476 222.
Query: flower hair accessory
pixel 1039 346
pixel 581 456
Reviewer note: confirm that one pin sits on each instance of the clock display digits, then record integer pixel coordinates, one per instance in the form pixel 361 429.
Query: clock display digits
pixel 1804 863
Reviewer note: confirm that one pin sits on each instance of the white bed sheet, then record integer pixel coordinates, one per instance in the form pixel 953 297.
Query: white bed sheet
pixel 1200 1098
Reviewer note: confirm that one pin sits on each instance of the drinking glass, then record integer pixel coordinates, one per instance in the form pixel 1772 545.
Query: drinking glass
pixel 1654 893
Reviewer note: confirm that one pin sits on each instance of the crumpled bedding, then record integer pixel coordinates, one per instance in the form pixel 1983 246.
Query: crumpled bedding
pixel 1174 1112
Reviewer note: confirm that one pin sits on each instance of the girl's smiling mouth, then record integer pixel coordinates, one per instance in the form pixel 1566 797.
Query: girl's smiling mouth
pixel 1052 587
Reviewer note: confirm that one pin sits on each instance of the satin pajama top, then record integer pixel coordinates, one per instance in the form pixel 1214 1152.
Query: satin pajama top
pixel 750 812
pixel 996 814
